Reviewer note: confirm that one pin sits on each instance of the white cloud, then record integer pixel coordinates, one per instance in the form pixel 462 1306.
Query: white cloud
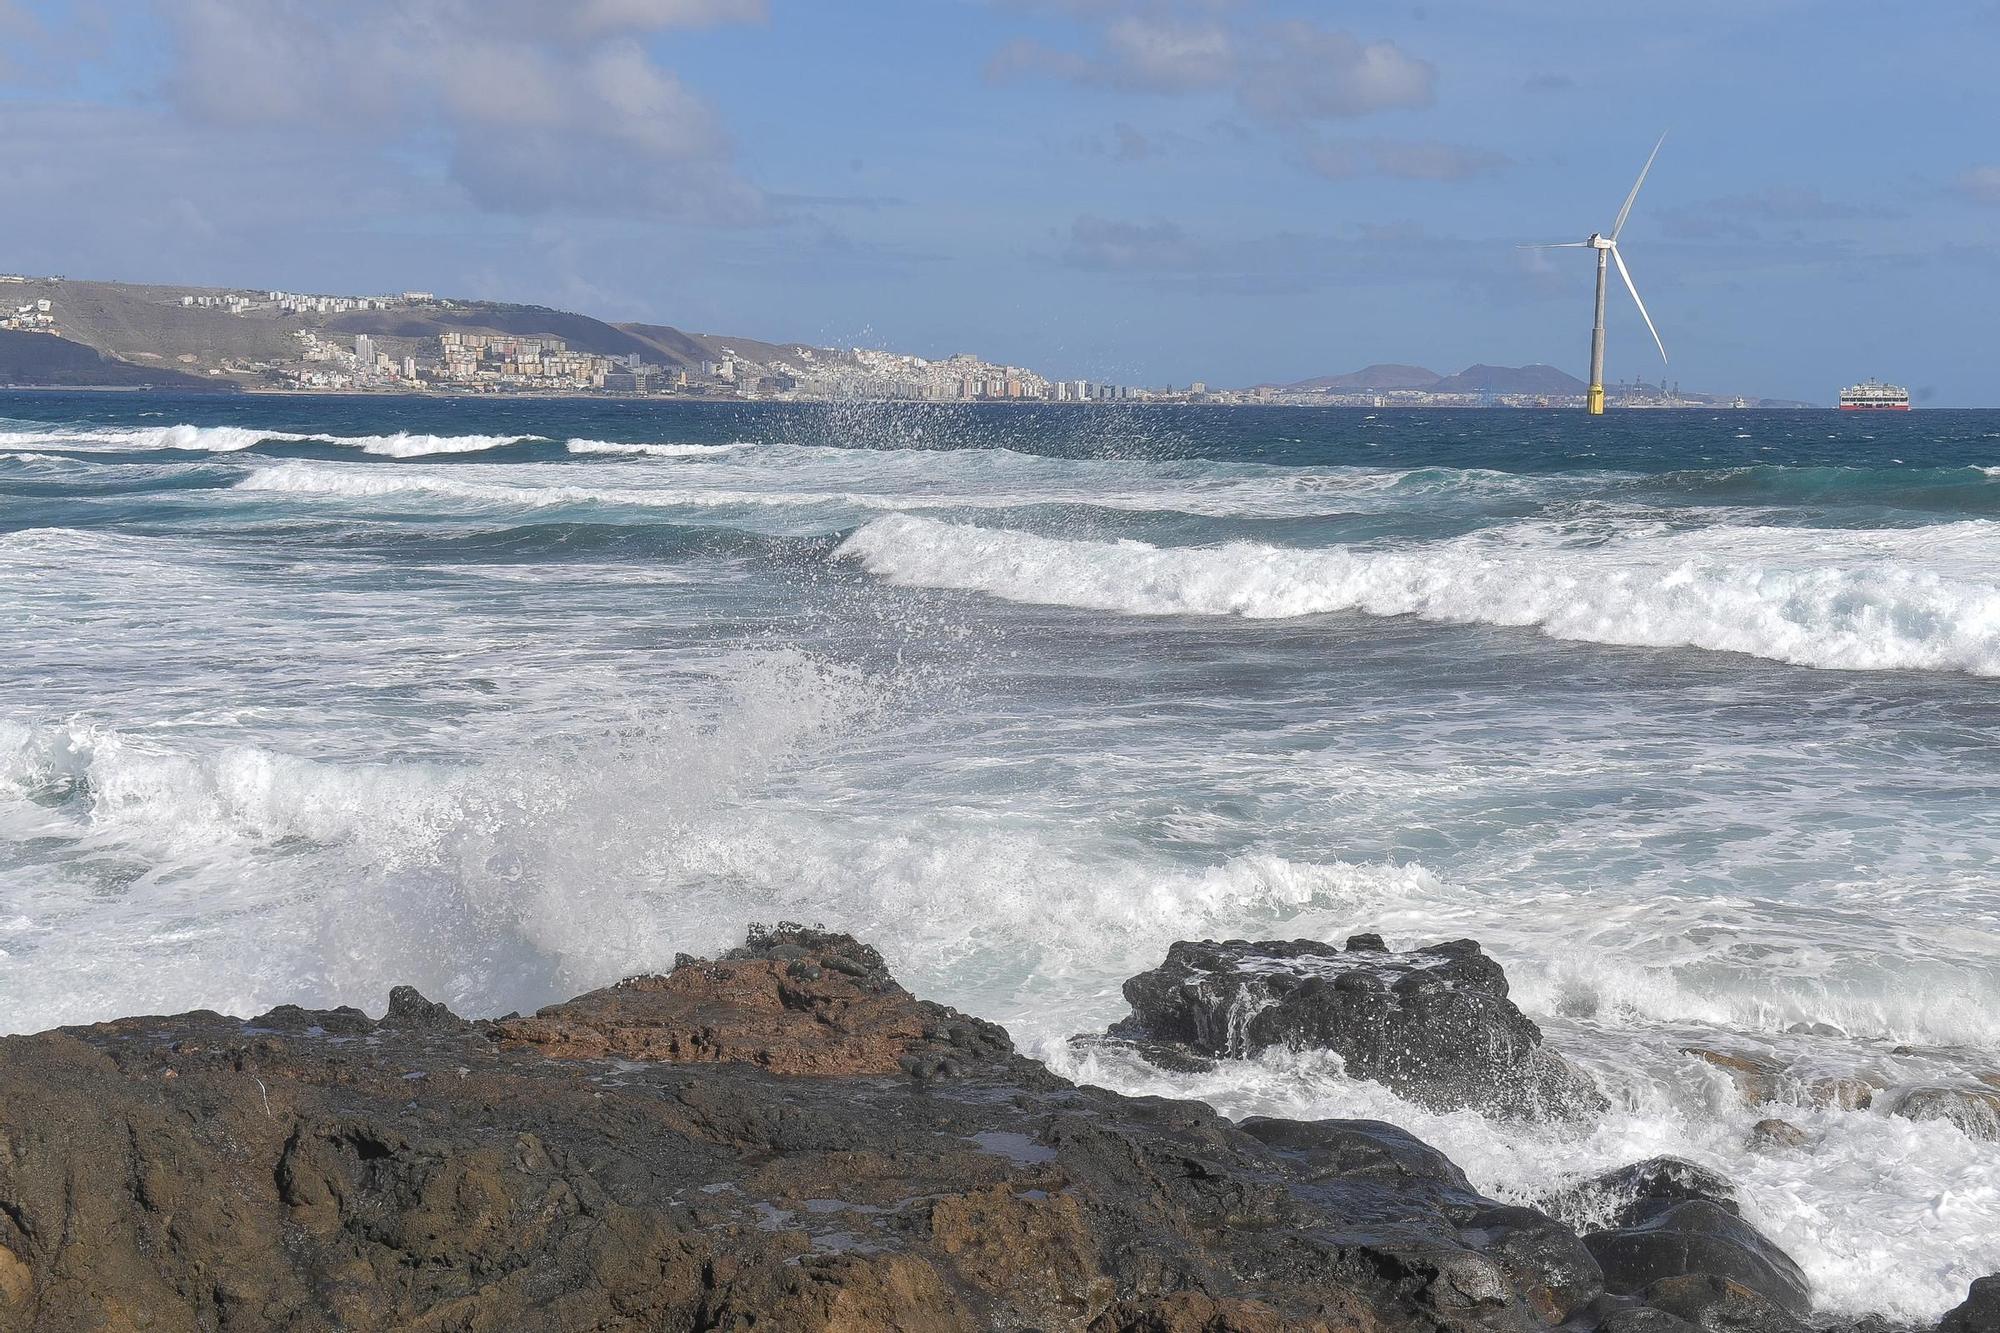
pixel 1288 73
pixel 1302 72
pixel 542 107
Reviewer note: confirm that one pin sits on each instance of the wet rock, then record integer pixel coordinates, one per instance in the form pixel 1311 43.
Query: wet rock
pixel 1815 1030
pixel 1847 1093
pixel 1975 1111
pixel 1618 1314
pixel 1757 1078
pixel 1980 1311
pixel 1434 1024
pixel 1718 1305
pixel 1773 1134
pixel 1697 1236
pixel 730 1146
pixel 1159 1054
pixel 1628 1195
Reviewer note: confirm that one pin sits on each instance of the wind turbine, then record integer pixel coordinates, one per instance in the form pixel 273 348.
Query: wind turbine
pixel 1607 254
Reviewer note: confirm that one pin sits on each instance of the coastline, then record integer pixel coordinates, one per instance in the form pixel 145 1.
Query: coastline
pixel 784 1137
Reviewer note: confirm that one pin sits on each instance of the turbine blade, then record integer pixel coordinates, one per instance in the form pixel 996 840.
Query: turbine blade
pixel 1626 211
pixel 1555 245
pixel 1626 274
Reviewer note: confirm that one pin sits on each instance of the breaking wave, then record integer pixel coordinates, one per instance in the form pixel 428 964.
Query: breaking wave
pixel 1844 600
pixel 615 447
pixel 235 439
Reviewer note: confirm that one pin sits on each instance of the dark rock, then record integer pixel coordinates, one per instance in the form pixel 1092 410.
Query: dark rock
pixel 1980 1312
pixel 1613 1314
pixel 1697 1236
pixel 1160 1054
pixel 1434 1024
pixel 342 1022
pixel 1630 1194
pixel 1718 1305
pixel 411 1012
pixel 1355 1149
pixel 730 1146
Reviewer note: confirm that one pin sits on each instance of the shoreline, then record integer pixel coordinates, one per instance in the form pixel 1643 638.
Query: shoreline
pixel 785 1136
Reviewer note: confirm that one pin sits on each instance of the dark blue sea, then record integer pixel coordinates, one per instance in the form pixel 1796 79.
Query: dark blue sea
pixel 1692 718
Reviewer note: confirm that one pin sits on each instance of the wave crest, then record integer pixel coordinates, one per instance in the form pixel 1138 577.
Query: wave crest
pixel 1839 600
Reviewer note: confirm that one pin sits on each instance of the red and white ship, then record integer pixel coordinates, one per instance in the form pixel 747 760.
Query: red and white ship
pixel 1874 396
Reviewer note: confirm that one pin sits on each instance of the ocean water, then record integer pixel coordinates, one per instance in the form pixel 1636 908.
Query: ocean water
pixel 1692 718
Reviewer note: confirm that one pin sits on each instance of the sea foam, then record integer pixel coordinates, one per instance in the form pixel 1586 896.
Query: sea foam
pixel 1837 599
pixel 235 439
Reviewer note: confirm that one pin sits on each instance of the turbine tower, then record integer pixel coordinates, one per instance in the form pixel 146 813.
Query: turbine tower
pixel 1607 254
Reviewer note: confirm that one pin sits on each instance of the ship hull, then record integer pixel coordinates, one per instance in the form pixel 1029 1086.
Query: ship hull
pixel 1874 407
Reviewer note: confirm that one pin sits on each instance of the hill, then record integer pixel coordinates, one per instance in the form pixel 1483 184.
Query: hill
pixel 1510 379
pixel 134 333
pixel 43 360
pixel 1380 376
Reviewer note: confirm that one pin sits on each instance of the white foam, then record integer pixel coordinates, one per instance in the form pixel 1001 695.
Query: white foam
pixel 1884 1215
pixel 533 873
pixel 616 447
pixel 234 439
pixel 1924 599
pixel 405 445
pixel 270 876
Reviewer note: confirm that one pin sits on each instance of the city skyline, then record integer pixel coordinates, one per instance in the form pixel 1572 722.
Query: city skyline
pixel 1140 193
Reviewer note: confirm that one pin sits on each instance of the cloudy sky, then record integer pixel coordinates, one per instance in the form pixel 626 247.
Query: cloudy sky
pixel 1144 190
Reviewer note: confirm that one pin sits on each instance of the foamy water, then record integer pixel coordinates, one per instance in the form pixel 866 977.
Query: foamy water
pixel 301 700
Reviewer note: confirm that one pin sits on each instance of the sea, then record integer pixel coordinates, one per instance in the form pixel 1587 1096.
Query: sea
pixel 1691 718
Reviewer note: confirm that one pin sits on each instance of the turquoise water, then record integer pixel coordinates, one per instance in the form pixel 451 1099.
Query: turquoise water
pixel 1690 717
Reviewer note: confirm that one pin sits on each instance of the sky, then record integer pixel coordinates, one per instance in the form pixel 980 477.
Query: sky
pixel 1142 191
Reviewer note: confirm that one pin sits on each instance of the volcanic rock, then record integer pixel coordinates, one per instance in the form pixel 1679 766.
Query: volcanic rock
pixel 1434 1024
pixel 1628 1195
pixel 1667 1219
pixel 1698 1237
pixel 1980 1312
pixel 1718 1305
pixel 779 1139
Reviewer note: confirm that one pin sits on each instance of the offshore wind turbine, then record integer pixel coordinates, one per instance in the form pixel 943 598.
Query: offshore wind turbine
pixel 1607 254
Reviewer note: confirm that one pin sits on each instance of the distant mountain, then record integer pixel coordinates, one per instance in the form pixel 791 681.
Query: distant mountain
pixel 1510 379
pixel 1381 376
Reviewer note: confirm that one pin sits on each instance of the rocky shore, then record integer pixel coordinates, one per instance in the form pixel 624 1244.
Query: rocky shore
pixel 784 1138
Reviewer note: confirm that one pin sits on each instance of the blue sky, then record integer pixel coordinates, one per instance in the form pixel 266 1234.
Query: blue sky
pixel 1144 190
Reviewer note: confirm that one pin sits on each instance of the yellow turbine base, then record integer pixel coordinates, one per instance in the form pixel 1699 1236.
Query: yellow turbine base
pixel 1597 400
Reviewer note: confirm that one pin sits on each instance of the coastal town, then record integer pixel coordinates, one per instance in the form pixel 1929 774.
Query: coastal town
pixel 417 342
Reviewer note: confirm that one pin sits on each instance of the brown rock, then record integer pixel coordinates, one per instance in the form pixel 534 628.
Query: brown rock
pixel 732 1146
pixel 1849 1093
pixel 1757 1079
pixel 1975 1111
pixel 1776 1133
